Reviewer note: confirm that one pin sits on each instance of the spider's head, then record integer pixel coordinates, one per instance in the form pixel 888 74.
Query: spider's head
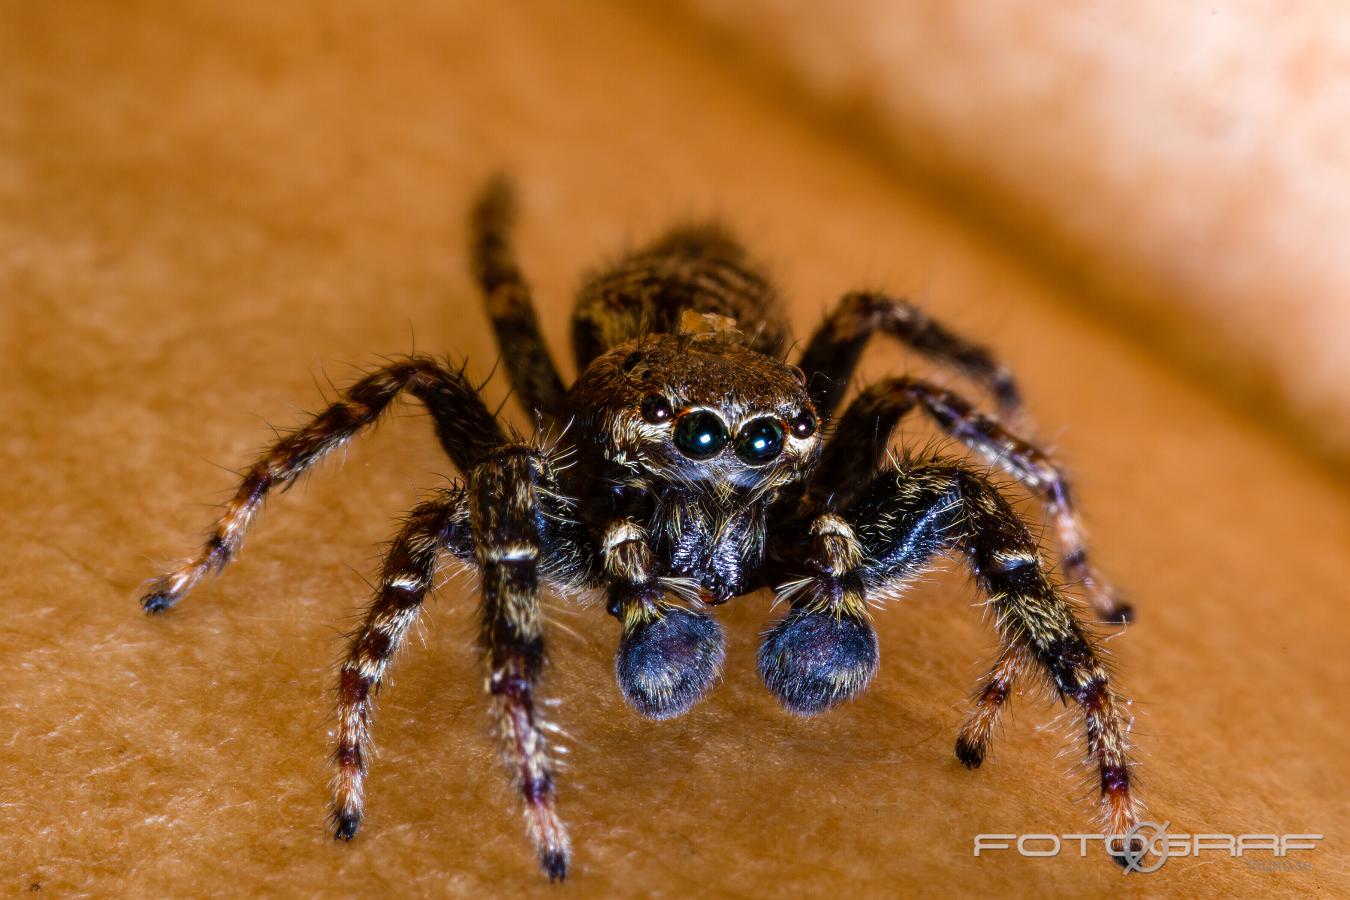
pixel 699 409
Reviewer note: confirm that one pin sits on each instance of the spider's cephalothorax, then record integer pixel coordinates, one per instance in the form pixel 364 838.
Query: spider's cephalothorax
pixel 693 467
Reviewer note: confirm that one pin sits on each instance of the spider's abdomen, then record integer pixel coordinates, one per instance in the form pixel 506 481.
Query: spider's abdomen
pixel 698 268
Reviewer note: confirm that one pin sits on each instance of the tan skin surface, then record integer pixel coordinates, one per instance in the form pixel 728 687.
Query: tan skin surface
pixel 204 213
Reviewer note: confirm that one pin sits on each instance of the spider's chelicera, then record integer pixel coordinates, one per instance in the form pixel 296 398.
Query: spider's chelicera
pixel 691 465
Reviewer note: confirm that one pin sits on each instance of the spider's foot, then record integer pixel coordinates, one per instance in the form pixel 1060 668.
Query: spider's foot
pixel 1110 609
pixel 1105 602
pixel 814 660
pixel 160 597
pixel 554 864
pixel 345 825
pixel 970 753
pixel 1126 852
pixel 666 665
pixel 1116 612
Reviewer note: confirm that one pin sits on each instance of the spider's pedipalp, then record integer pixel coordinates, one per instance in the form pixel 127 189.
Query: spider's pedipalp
pixel 824 651
pixel 669 657
pixel 815 659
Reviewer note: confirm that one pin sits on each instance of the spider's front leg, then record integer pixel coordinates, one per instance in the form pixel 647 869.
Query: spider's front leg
pixel 508 522
pixel 823 651
pixel 862 436
pixel 506 513
pixel 409 572
pixel 668 656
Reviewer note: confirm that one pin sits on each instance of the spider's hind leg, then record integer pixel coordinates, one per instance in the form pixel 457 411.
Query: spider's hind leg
pixel 510 305
pixel 833 353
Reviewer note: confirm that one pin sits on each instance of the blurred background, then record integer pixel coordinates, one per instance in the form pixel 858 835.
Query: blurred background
pixel 209 211
pixel 1183 170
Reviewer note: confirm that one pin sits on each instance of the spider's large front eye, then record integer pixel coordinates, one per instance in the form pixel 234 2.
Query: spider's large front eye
pixel 760 440
pixel 700 434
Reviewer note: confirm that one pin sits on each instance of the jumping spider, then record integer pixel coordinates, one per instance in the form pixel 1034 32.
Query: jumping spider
pixel 694 466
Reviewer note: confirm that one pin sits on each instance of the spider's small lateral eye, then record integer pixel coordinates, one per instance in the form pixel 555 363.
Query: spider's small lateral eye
pixel 656 410
pixel 760 440
pixel 803 425
pixel 700 434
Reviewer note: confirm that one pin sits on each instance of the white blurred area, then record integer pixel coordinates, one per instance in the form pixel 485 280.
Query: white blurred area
pixel 1217 135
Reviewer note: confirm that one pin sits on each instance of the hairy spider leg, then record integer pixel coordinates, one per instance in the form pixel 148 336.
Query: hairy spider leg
pixel 505 493
pixel 492 523
pixel 534 376
pixel 464 425
pixel 891 531
pixel 863 432
pixel 503 513
pixel 977 731
pixel 832 355
pixel 409 571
